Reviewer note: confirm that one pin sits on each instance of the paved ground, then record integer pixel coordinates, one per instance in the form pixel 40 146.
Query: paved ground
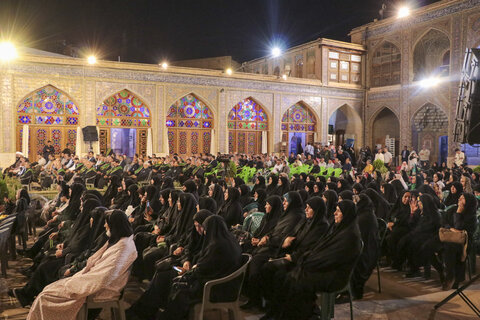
pixel 400 299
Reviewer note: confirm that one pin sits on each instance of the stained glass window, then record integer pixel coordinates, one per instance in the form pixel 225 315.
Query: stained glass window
pixel 123 109
pixel 189 112
pixel 47 106
pixel 298 118
pixel 247 115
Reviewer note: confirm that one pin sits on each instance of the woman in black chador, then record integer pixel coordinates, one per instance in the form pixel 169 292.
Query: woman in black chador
pixel 325 268
pixel 220 256
pixel 303 239
pixel 270 244
pixel 367 222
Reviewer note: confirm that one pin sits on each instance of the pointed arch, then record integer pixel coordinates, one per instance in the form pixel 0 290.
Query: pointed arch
pixel 123 109
pixel 385 122
pixel 189 123
pixel 429 123
pixel 51 114
pixel 429 52
pixel 299 123
pixel 246 122
pixel 124 120
pixel 345 123
pixel 385 65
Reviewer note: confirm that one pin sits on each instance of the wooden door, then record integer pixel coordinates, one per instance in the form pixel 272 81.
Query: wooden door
pixel 187 142
pixel 246 142
pixel 39 135
pixel 104 139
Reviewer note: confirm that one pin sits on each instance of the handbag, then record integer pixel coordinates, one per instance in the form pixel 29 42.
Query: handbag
pixel 446 235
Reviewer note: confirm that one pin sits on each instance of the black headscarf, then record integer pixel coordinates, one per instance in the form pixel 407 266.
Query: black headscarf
pixel 270 219
pixel 119 226
pixel 382 207
pixel 346 195
pixel 310 230
pixel 220 254
pixel 332 259
pixel 288 220
pixel 303 194
pixel 452 198
pixel 284 188
pixel 191 187
pixel 201 215
pixel 245 198
pixel 467 219
pixel 218 195
pixel 398 187
pixel 208 204
pixel 167 183
pixel 238 181
pixel 261 198
pixel 184 222
pixel 231 210
pixel 389 193
pixel 272 187
pixel 332 199
pixel 112 189
pixel 259 184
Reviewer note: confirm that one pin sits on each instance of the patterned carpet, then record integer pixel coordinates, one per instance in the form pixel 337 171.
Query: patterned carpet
pixel 400 298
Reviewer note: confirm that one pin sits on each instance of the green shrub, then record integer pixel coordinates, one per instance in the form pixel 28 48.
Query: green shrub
pixel 380 166
pixel 476 169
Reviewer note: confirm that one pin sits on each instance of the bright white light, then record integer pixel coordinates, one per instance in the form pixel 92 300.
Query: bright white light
pixel 164 65
pixel 229 71
pixel 7 51
pixel 430 82
pixel 284 77
pixel 276 52
pixel 92 60
pixel 403 12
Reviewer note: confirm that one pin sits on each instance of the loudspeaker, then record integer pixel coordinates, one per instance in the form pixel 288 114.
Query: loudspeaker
pixel 90 133
pixel 467 119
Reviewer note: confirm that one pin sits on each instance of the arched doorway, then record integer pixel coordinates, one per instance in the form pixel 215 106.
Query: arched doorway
pixel 50 115
pixel 123 120
pixel 386 125
pixel 190 124
pixel 344 126
pixel 246 123
pixel 429 125
pixel 431 55
pixel 298 128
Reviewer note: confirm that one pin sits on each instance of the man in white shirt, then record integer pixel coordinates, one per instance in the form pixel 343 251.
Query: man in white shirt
pixel 459 157
pixel 278 167
pixel 387 157
pixel 309 149
pixel 380 156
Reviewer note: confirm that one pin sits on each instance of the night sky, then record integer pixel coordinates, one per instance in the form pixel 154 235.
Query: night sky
pixel 155 30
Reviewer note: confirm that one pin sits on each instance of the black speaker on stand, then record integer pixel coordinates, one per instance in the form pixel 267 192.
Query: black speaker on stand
pixel 90 135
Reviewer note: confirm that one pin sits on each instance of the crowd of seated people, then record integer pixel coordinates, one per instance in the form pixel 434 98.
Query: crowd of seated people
pixel 304 231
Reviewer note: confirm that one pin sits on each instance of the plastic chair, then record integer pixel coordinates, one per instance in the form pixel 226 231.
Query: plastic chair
pixel 116 306
pixel 382 231
pixel 337 172
pixel 328 298
pixel 233 305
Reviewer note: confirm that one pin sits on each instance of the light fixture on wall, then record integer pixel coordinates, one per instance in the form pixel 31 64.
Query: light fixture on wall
pixel 403 12
pixel 92 60
pixel 8 51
